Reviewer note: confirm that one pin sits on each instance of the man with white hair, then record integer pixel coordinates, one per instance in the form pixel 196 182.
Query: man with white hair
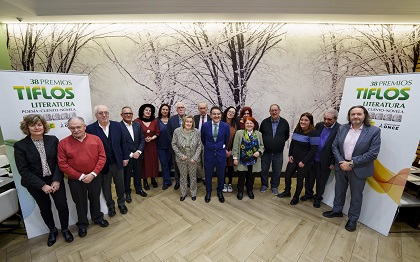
pixel 117 156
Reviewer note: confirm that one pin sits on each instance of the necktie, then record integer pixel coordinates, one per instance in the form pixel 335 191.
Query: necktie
pixel 202 120
pixel 215 132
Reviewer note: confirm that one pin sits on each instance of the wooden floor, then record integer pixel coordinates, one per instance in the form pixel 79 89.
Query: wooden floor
pixel 161 228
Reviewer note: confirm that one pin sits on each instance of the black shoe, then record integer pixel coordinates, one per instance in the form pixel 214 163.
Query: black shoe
pixel 351 226
pixel 154 183
pixel 294 201
pixel 67 235
pixel 250 194
pixel 52 237
pixel 82 232
pixel 164 187
pixel 221 197
pixel 193 198
pixel 331 214
pixel 317 203
pixel 240 195
pixel 176 187
pixel 103 223
pixel 128 198
pixel 146 184
pixel 111 212
pixel 305 198
pixel 182 198
pixel 284 194
pixel 207 198
pixel 141 193
pixel 123 209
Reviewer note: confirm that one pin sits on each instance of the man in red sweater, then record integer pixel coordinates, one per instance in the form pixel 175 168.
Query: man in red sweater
pixel 81 157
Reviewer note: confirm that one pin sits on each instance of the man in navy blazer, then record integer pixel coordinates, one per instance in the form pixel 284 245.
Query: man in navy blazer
pixel 215 137
pixel 324 158
pixel 134 138
pixel 173 123
pixel 117 156
pixel 355 148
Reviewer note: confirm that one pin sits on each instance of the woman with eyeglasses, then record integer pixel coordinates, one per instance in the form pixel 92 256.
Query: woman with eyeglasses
pixel 151 132
pixel 246 111
pixel 305 141
pixel 248 147
pixel 36 161
pixel 229 116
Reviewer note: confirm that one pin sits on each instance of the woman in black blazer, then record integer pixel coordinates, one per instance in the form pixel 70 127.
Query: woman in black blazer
pixel 36 161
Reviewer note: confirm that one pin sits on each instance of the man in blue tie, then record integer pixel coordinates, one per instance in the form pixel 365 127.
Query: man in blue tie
pixel 215 137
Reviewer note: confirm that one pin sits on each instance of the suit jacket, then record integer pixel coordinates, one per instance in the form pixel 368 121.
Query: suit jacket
pixel 179 142
pixel 28 161
pixel 138 143
pixel 197 119
pixel 236 150
pixel 365 151
pixel 215 148
pixel 119 147
pixel 173 123
pixel 327 157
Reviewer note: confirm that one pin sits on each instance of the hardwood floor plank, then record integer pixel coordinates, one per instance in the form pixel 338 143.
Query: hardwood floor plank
pixel 158 239
pixel 205 240
pixel 165 212
pixel 176 258
pixel 254 258
pixel 293 248
pixel 24 256
pixel 202 258
pixel 183 239
pixel 271 245
pixel 72 257
pixel 186 211
pixel 390 248
pixel 320 242
pixel 151 257
pixel 44 257
pixel 366 246
pixel 342 245
pixel 247 244
pixel 411 246
pixel 222 246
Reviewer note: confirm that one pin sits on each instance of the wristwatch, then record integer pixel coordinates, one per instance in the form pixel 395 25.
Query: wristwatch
pixel 351 164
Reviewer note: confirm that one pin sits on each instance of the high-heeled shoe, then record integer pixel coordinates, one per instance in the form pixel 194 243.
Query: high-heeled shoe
pixel 154 183
pixel 146 185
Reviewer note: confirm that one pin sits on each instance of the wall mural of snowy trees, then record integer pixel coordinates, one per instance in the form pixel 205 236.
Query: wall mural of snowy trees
pixel 302 67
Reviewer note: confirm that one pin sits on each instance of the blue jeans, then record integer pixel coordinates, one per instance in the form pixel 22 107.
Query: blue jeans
pixel 165 163
pixel 276 160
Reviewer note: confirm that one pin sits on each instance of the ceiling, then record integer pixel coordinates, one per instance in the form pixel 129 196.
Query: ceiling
pixel 327 11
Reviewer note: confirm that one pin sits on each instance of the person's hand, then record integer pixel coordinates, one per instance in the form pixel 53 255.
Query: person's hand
pixel 136 155
pixel 183 157
pixel 192 161
pixel 345 166
pixel 148 139
pixel 291 159
pixel 88 178
pixel 331 167
pixel 236 162
pixel 47 189
pixel 301 164
pixel 256 154
pixel 55 185
pixel 125 162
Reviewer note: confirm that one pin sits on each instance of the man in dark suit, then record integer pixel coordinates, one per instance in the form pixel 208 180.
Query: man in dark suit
pixel 117 156
pixel 199 120
pixel 134 138
pixel 173 123
pixel 355 148
pixel 324 158
pixel 215 137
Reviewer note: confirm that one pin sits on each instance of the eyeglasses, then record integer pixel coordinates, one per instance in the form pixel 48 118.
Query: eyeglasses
pixel 328 119
pixel 231 111
pixel 127 114
pixel 103 113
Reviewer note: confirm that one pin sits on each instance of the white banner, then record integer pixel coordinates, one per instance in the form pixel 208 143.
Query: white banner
pixel 392 102
pixel 55 96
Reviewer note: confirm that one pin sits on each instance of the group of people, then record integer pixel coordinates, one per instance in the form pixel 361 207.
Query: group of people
pixel 107 151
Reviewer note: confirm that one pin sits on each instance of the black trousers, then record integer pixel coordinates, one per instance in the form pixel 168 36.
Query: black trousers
pixel 246 178
pixel 80 193
pixel 117 175
pixel 44 203
pixel 321 176
pixel 133 170
pixel 302 173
